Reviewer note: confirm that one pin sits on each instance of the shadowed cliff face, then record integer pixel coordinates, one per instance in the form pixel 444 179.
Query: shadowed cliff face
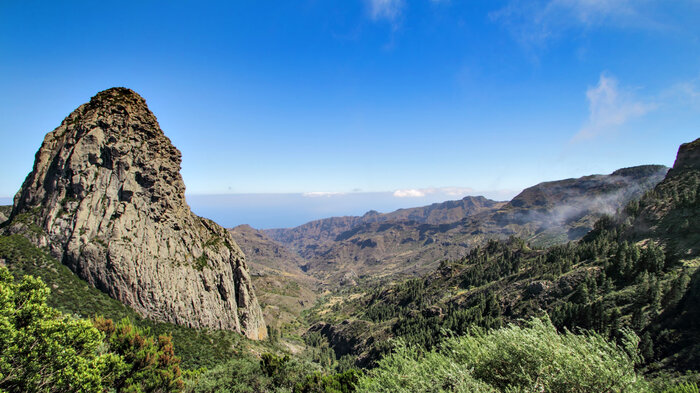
pixel 670 212
pixel 106 196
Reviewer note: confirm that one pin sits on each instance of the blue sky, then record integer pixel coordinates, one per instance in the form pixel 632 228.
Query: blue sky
pixel 417 101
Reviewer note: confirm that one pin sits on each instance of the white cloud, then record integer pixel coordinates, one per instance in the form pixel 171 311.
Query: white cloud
pixel 409 193
pixel 321 194
pixel 421 192
pixel 385 9
pixel 610 107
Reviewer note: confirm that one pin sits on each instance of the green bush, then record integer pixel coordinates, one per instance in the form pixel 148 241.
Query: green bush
pixel 244 374
pixel 683 388
pixel 151 364
pixel 407 370
pixel 42 350
pixel 336 383
pixel 240 375
pixel 534 358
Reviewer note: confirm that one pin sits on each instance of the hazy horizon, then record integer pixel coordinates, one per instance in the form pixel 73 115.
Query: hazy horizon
pixel 265 211
pixel 364 96
pixel 286 210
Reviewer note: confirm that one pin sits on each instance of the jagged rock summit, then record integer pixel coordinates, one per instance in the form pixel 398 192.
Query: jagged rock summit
pixel 669 213
pixel 106 196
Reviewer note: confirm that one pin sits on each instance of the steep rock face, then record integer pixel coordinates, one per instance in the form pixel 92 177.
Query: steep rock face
pixel 669 213
pixel 4 213
pixel 687 159
pixel 106 196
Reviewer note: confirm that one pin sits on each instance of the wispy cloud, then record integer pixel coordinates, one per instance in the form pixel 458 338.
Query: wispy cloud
pixel 682 94
pixel 389 10
pixel 534 22
pixel 610 106
pixel 422 192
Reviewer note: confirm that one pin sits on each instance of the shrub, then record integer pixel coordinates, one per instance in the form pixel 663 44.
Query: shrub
pixel 534 358
pixel 151 364
pixel 42 350
pixel 240 375
pixel 683 388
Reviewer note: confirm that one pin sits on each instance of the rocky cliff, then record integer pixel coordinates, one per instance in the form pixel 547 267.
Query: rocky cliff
pixel 106 197
pixel 4 213
pixel 669 213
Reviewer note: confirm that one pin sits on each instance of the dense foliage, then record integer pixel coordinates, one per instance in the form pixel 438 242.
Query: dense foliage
pixel 273 373
pixel 43 350
pixel 535 358
pixel 151 364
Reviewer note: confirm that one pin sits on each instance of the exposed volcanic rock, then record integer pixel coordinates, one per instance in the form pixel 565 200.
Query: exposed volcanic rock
pixel 106 196
pixel 4 213
pixel 670 212
pixel 687 159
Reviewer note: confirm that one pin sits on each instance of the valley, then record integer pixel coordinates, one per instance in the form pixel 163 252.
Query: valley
pixel 336 303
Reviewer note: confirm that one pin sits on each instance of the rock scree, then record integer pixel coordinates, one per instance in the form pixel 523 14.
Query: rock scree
pixel 107 198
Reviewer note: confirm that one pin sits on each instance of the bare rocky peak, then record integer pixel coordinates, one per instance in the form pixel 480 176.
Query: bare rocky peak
pixel 688 158
pixel 106 196
pixel 668 214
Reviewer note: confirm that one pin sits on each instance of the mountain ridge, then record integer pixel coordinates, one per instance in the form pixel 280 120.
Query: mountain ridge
pixel 411 242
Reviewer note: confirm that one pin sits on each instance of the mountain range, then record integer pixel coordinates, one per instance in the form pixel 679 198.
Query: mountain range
pixel 409 242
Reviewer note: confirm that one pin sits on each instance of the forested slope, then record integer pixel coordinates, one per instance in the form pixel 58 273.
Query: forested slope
pixel 634 270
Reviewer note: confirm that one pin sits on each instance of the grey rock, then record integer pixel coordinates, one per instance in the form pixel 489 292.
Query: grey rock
pixel 537 287
pixel 106 196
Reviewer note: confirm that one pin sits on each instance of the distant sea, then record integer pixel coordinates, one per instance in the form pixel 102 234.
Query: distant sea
pixel 264 211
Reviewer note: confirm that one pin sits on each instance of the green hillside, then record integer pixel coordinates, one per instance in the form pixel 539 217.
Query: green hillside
pixel 636 270
pixel 73 296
